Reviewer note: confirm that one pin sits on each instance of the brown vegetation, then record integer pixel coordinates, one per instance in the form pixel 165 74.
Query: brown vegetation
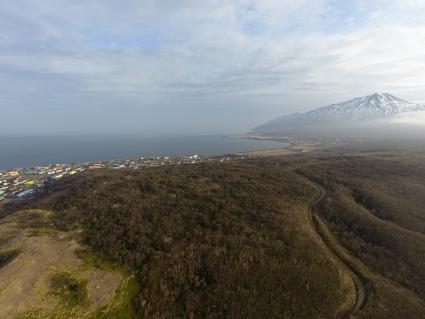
pixel 209 240
pixel 375 207
pixel 233 240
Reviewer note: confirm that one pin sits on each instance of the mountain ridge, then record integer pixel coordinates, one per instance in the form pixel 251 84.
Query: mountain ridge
pixel 360 110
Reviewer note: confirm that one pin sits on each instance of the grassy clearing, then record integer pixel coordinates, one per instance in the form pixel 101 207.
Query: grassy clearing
pixel 32 222
pixel 92 260
pixel 62 291
pixel 121 305
pixel 67 292
pixel 69 288
pixel 71 292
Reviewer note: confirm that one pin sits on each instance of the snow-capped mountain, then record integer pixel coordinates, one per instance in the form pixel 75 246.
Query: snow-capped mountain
pixel 374 106
pixel 361 110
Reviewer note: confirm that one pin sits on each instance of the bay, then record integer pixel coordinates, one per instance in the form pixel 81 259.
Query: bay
pixel 29 151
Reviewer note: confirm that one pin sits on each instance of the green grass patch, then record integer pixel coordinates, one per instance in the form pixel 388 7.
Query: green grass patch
pixel 69 288
pixel 92 260
pixel 121 305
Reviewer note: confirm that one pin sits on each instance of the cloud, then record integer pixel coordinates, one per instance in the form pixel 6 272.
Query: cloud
pixel 409 118
pixel 268 57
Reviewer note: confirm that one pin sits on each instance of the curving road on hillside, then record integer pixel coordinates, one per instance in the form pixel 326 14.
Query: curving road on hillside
pixel 359 281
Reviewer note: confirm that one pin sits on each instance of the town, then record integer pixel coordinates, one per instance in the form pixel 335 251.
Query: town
pixel 20 183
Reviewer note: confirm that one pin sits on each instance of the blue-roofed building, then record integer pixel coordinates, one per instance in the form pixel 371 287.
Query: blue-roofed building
pixel 25 193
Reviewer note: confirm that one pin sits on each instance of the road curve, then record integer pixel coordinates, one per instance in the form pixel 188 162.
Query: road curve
pixel 359 281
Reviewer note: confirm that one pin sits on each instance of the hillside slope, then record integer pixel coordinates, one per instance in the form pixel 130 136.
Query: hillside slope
pixel 374 207
pixel 208 241
pixel 236 240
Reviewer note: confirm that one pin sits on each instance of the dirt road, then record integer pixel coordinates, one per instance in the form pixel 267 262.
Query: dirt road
pixel 361 284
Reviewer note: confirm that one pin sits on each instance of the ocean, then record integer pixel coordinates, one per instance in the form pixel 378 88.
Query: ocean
pixel 29 151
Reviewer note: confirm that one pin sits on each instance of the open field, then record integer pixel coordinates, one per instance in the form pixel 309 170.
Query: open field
pixel 43 252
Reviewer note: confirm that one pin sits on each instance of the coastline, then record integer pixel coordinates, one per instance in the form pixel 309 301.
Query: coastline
pixel 19 183
pixel 295 145
pixel 41 151
pixel 264 137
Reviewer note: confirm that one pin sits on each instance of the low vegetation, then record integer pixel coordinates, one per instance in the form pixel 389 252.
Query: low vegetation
pixel 73 303
pixel 233 240
pixel 45 273
pixel 6 255
pixel 374 206
pixel 68 287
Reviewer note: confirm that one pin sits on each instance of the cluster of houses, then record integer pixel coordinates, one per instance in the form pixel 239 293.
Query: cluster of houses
pixel 19 183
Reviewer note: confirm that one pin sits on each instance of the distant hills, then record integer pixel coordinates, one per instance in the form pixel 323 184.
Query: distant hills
pixel 359 113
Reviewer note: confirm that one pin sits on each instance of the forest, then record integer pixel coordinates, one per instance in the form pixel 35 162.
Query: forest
pixel 207 241
pixel 375 207
pixel 233 240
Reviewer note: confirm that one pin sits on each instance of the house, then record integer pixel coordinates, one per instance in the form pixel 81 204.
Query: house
pixel 96 166
pixel 24 194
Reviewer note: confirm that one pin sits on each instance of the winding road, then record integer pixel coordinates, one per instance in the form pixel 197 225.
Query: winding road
pixel 359 281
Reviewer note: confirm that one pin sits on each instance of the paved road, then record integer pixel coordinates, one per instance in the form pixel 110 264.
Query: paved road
pixel 360 283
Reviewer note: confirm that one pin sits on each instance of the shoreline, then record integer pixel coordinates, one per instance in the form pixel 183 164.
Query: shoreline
pixel 262 137
pixel 19 183
pixel 42 151
pixel 290 145
pixel 295 145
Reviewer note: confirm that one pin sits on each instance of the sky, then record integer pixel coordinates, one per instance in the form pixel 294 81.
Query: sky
pixel 158 67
